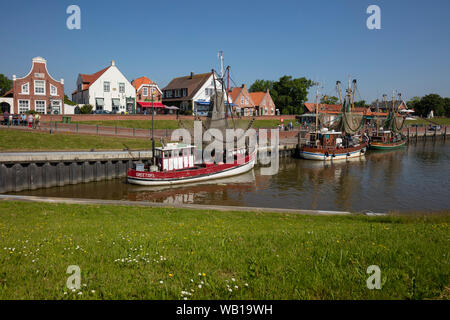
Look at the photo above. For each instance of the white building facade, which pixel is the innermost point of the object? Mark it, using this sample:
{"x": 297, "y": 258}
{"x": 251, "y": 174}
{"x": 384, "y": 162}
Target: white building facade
{"x": 106, "y": 90}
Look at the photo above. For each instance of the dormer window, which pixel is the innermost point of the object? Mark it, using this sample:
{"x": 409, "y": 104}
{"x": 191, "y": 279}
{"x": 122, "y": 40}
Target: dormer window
{"x": 39, "y": 87}
{"x": 53, "y": 90}
{"x": 145, "y": 91}
{"x": 26, "y": 88}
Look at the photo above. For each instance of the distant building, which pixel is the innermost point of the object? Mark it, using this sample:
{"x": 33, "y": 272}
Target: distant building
{"x": 264, "y": 105}
{"x": 244, "y": 104}
{"x": 146, "y": 90}
{"x": 384, "y": 106}
{"x": 107, "y": 90}
{"x": 37, "y": 91}
{"x": 191, "y": 93}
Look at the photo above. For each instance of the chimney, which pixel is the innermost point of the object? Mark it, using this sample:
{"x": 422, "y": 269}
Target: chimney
{"x": 62, "y": 81}
{"x": 192, "y": 75}
{"x": 113, "y": 63}
{"x": 244, "y": 86}
{"x": 14, "y": 77}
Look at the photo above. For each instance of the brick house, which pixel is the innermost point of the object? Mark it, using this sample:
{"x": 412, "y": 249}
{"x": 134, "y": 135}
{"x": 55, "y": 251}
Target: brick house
{"x": 146, "y": 90}
{"x": 264, "y": 104}
{"x": 37, "y": 91}
{"x": 242, "y": 100}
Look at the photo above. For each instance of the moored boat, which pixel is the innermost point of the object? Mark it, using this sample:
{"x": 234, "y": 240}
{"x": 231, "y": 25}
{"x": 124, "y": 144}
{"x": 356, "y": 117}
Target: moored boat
{"x": 342, "y": 144}
{"x": 392, "y": 138}
{"x": 176, "y": 165}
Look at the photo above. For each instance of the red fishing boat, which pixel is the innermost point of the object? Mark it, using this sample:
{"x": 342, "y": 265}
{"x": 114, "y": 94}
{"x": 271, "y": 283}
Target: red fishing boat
{"x": 175, "y": 164}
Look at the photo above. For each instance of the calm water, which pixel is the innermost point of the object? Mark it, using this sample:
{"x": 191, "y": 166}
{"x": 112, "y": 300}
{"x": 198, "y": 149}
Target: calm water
{"x": 413, "y": 178}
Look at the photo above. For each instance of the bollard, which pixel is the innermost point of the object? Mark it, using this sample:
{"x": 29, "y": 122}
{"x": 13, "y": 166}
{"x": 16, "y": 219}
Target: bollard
{"x": 77, "y": 127}
{"x": 97, "y": 129}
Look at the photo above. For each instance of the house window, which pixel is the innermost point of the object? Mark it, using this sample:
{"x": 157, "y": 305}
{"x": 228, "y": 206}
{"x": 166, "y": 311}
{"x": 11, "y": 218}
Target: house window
{"x": 79, "y": 88}
{"x": 242, "y": 100}
{"x": 121, "y": 87}
{"x": 39, "y": 87}
{"x": 184, "y": 92}
{"x": 246, "y": 100}
{"x": 106, "y": 86}
{"x": 53, "y": 90}
{"x": 207, "y": 92}
{"x": 24, "y": 106}
{"x": 25, "y": 88}
{"x": 145, "y": 91}
{"x": 56, "y": 107}
{"x": 177, "y": 93}
{"x": 39, "y": 106}
{"x": 169, "y": 94}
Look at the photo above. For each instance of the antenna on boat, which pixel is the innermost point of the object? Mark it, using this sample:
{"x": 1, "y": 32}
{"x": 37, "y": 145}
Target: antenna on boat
{"x": 317, "y": 107}
{"x": 338, "y": 85}
{"x": 353, "y": 94}
{"x": 220, "y": 57}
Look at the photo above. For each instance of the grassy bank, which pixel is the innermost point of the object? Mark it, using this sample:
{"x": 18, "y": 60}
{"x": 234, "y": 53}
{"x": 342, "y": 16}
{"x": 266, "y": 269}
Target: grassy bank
{"x": 154, "y": 253}
{"x": 17, "y": 140}
{"x": 174, "y": 124}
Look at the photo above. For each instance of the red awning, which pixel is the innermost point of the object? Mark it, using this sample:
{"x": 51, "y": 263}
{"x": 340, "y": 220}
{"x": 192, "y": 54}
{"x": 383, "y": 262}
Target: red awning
{"x": 146, "y": 104}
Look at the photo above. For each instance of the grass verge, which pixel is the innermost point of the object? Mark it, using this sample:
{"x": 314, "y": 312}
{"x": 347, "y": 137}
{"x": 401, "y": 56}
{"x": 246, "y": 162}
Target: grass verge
{"x": 17, "y": 140}
{"x": 162, "y": 253}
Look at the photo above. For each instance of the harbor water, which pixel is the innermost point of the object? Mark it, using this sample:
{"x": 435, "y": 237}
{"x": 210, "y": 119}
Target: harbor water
{"x": 414, "y": 178}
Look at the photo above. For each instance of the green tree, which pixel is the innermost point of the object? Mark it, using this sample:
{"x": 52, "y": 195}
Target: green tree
{"x": 431, "y": 102}
{"x": 329, "y": 100}
{"x": 287, "y": 93}
{"x": 86, "y": 109}
{"x": 5, "y": 84}
{"x": 68, "y": 101}
{"x": 361, "y": 104}
{"x": 447, "y": 106}
{"x": 261, "y": 85}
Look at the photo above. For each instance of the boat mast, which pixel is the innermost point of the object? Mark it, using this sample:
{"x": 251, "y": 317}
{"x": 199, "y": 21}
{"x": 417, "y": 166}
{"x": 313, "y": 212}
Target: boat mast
{"x": 317, "y": 109}
{"x": 338, "y": 84}
{"x": 353, "y": 94}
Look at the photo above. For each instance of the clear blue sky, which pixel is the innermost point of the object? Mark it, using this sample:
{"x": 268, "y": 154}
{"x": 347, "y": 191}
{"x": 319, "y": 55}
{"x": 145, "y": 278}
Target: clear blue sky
{"x": 321, "y": 40}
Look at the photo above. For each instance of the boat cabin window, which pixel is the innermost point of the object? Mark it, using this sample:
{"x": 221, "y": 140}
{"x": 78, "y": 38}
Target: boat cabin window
{"x": 175, "y": 158}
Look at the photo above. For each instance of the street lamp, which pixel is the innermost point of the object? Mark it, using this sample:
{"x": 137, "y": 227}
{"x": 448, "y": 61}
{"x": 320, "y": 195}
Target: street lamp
{"x": 153, "y": 139}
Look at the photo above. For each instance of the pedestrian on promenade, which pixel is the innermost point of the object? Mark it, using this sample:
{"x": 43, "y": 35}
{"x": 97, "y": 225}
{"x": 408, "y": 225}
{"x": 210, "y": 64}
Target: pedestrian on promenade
{"x": 37, "y": 121}
{"x": 16, "y": 121}
{"x": 30, "y": 120}
{"x": 10, "y": 119}
{"x": 5, "y": 118}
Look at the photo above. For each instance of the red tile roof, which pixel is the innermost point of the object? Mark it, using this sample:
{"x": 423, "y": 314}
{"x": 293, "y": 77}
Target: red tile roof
{"x": 234, "y": 93}
{"x": 89, "y": 79}
{"x": 257, "y": 97}
{"x": 140, "y": 81}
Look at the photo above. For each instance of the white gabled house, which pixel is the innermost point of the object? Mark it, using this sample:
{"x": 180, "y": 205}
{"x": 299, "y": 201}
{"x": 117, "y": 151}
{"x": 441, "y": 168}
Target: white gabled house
{"x": 107, "y": 89}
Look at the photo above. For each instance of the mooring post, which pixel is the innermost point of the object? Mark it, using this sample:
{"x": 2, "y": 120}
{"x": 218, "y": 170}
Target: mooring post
{"x": 77, "y": 127}
{"x": 445, "y": 133}
{"x": 97, "y": 128}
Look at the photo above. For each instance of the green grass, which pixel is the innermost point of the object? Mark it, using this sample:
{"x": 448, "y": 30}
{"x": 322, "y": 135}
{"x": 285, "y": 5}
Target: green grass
{"x": 17, "y": 140}
{"x": 156, "y": 253}
{"x": 420, "y": 121}
{"x": 174, "y": 124}
{"x": 140, "y": 124}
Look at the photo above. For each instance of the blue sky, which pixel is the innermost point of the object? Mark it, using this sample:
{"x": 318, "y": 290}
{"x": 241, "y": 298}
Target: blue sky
{"x": 321, "y": 40}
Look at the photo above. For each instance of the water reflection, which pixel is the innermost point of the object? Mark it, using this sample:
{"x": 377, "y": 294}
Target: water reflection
{"x": 412, "y": 178}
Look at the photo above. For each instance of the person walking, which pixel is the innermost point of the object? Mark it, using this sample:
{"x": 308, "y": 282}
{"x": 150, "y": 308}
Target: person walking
{"x": 16, "y": 121}
{"x": 5, "y": 118}
{"x": 22, "y": 119}
{"x": 37, "y": 121}
{"x": 30, "y": 120}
